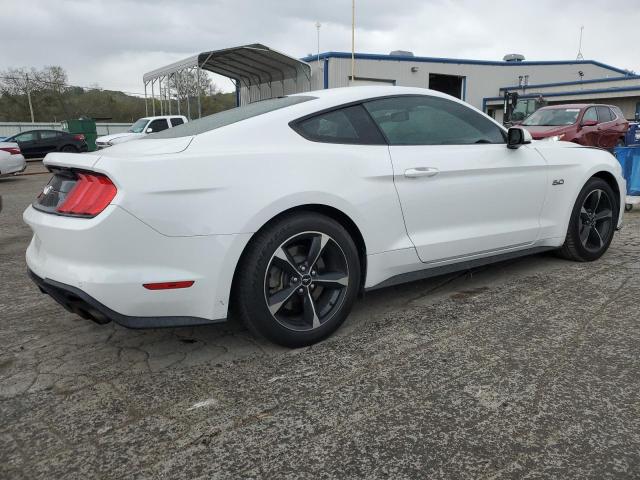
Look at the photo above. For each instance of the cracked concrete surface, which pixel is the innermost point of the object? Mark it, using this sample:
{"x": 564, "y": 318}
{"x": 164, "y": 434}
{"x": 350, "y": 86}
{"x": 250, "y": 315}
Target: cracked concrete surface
{"x": 525, "y": 369}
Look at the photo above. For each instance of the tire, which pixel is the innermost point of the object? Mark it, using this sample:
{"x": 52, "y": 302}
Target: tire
{"x": 282, "y": 294}
{"x": 593, "y": 222}
{"x": 69, "y": 149}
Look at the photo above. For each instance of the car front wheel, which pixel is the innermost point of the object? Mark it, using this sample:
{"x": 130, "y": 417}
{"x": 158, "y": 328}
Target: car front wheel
{"x": 298, "y": 279}
{"x": 593, "y": 222}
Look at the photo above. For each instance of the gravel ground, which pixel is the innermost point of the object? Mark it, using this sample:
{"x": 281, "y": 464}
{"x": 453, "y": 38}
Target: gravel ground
{"x": 525, "y": 369}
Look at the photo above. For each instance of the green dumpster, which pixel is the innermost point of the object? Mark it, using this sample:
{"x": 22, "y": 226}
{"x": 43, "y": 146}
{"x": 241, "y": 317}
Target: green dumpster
{"x": 86, "y": 126}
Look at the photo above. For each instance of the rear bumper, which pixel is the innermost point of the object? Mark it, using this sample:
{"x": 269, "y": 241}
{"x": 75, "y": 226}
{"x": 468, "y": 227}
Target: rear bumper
{"x": 76, "y": 301}
{"x": 15, "y": 164}
{"x": 99, "y": 266}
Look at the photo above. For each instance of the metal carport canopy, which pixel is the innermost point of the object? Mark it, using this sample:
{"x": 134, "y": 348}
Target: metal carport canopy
{"x": 252, "y": 65}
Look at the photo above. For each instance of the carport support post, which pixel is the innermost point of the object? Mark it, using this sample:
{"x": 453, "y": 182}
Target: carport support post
{"x": 177, "y": 79}
{"x": 188, "y": 97}
{"x": 153, "y": 98}
{"x": 198, "y": 87}
{"x": 146, "y": 106}
{"x": 169, "y": 92}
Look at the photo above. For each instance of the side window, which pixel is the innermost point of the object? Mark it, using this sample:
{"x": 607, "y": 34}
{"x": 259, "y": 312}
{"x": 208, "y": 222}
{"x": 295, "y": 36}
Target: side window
{"x": 617, "y": 113}
{"x": 176, "y": 121}
{"x": 604, "y": 114}
{"x": 48, "y": 134}
{"x": 158, "y": 125}
{"x": 426, "y": 120}
{"x": 590, "y": 114}
{"x": 346, "y": 125}
{"x": 27, "y": 137}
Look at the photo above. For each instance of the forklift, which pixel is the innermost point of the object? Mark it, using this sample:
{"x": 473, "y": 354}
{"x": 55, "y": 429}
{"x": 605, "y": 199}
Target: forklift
{"x": 516, "y": 109}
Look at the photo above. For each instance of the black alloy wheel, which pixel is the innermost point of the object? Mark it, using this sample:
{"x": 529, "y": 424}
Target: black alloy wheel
{"x": 596, "y": 220}
{"x": 306, "y": 281}
{"x": 593, "y": 222}
{"x": 297, "y": 280}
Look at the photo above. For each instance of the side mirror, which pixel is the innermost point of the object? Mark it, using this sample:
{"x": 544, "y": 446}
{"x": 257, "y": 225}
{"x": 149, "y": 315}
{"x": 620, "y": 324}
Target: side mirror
{"x": 517, "y": 136}
{"x": 149, "y": 130}
{"x": 589, "y": 123}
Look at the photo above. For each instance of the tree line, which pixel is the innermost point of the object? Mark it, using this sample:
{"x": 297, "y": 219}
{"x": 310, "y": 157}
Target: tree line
{"x": 47, "y": 94}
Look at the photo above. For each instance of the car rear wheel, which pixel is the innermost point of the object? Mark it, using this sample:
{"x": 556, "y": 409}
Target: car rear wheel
{"x": 593, "y": 222}
{"x": 298, "y": 280}
{"x": 69, "y": 149}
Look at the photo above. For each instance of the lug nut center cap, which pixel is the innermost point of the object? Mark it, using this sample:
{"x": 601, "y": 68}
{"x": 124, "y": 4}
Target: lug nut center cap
{"x": 306, "y": 280}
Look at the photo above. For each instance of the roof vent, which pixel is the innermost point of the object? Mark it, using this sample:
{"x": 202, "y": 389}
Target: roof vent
{"x": 401, "y": 53}
{"x": 513, "y": 57}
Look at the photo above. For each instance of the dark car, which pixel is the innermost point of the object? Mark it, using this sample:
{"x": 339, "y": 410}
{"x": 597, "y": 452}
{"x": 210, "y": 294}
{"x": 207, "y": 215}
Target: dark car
{"x": 601, "y": 126}
{"x": 37, "y": 143}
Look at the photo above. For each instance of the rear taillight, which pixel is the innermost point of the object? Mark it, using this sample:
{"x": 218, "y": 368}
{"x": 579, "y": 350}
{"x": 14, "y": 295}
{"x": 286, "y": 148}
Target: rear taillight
{"x": 89, "y": 196}
{"x": 11, "y": 150}
{"x": 79, "y": 137}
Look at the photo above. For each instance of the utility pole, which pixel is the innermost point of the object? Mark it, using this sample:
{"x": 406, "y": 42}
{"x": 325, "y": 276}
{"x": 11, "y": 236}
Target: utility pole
{"x": 353, "y": 40}
{"x": 318, "y": 25}
{"x": 29, "y": 97}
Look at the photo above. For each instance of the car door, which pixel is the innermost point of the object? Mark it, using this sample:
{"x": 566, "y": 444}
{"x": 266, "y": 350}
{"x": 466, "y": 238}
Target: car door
{"x": 158, "y": 125}
{"x": 607, "y": 128}
{"x": 589, "y": 134}
{"x": 463, "y": 192}
{"x": 48, "y": 141}
{"x": 28, "y": 142}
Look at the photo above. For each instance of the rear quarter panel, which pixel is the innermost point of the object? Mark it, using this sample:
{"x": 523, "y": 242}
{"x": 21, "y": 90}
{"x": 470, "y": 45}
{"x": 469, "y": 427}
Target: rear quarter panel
{"x": 236, "y": 178}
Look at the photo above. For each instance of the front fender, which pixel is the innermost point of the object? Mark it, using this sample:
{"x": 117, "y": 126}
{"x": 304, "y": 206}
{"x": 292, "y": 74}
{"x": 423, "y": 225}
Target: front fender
{"x": 573, "y": 166}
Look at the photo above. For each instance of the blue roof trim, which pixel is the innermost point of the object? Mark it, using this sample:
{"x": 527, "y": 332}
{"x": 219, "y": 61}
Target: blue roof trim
{"x": 562, "y": 94}
{"x": 461, "y": 61}
{"x": 576, "y": 82}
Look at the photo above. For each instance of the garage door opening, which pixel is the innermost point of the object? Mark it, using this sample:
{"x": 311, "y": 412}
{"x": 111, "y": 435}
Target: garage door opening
{"x": 449, "y": 84}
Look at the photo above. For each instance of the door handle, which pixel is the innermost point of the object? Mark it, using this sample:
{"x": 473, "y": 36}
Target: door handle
{"x": 421, "y": 172}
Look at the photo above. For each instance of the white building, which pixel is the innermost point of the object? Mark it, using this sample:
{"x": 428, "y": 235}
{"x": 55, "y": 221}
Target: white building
{"x": 483, "y": 83}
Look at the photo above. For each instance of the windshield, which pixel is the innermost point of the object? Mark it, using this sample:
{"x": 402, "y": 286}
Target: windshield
{"x": 138, "y": 127}
{"x": 553, "y": 117}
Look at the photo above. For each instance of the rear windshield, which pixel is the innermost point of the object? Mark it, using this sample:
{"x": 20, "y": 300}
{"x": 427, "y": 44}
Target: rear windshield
{"x": 227, "y": 117}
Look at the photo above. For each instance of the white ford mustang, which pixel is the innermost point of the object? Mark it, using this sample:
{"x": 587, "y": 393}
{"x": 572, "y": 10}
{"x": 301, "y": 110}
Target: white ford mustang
{"x": 282, "y": 211}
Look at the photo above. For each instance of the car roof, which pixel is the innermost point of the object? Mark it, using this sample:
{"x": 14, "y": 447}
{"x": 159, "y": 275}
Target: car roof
{"x": 344, "y": 94}
{"x": 333, "y": 97}
{"x": 39, "y": 130}
{"x": 158, "y": 117}
{"x": 577, "y": 105}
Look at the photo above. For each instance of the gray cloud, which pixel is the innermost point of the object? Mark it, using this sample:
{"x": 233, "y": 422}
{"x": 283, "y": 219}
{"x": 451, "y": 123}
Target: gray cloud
{"x": 113, "y": 42}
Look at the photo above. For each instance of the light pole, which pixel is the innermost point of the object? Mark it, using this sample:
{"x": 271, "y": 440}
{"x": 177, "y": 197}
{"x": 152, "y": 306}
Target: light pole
{"x": 353, "y": 40}
{"x": 318, "y": 25}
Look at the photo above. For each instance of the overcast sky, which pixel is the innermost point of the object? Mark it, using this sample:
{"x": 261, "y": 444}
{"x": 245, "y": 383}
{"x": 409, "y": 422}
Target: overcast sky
{"x": 112, "y": 43}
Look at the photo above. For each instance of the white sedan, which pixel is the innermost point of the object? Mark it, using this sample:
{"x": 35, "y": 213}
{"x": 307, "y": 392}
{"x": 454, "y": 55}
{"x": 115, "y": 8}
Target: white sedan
{"x": 282, "y": 211}
{"x": 11, "y": 159}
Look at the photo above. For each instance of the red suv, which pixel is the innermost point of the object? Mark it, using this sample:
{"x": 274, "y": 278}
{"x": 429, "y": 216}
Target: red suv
{"x": 592, "y": 125}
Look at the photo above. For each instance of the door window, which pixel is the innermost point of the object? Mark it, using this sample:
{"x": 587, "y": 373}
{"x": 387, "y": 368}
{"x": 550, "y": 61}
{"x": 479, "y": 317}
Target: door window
{"x": 48, "y": 134}
{"x": 26, "y": 137}
{"x": 590, "y": 114}
{"x": 346, "y": 125}
{"x": 158, "y": 125}
{"x": 604, "y": 114}
{"x": 426, "y": 120}
{"x": 176, "y": 121}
